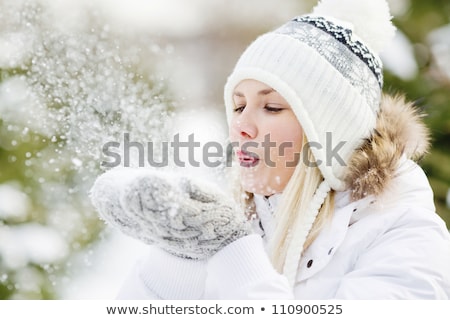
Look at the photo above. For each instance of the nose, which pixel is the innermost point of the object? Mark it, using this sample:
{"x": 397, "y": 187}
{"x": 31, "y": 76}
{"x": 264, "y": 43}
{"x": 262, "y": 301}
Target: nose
{"x": 244, "y": 126}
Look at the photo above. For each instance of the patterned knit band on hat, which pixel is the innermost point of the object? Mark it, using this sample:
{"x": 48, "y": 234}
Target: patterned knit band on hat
{"x": 326, "y": 65}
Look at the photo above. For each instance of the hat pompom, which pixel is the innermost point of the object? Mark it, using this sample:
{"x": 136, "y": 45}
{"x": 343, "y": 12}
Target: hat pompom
{"x": 371, "y": 19}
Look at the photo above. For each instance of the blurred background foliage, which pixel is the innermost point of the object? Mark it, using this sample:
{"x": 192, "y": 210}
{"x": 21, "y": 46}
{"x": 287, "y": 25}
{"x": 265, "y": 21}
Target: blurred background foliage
{"x": 64, "y": 92}
{"x": 426, "y": 25}
{"x": 74, "y": 75}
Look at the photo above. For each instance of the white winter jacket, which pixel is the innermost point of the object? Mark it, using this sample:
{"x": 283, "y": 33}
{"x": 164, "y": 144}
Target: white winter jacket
{"x": 393, "y": 247}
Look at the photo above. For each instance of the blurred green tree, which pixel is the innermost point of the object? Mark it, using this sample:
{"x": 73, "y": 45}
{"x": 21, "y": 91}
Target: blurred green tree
{"x": 63, "y": 94}
{"x": 430, "y": 89}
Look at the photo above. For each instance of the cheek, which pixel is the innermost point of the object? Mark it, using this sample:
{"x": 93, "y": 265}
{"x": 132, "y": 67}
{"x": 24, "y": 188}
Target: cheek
{"x": 233, "y": 132}
{"x": 289, "y": 142}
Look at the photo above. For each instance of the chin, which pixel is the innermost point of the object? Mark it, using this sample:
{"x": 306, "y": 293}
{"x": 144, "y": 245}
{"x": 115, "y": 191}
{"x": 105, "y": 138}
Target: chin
{"x": 261, "y": 182}
{"x": 261, "y": 189}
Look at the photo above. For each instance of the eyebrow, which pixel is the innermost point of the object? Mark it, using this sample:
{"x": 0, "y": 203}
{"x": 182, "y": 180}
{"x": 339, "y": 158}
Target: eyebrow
{"x": 260, "y": 93}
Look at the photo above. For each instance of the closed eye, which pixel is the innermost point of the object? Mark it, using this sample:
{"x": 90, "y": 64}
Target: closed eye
{"x": 239, "y": 109}
{"x": 273, "y": 109}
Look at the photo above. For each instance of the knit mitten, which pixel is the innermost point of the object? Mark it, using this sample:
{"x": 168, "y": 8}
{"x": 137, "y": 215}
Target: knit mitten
{"x": 187, "y": 218}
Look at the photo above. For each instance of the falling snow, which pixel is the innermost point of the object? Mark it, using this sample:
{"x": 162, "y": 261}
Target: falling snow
{"x": 64, "y": 93}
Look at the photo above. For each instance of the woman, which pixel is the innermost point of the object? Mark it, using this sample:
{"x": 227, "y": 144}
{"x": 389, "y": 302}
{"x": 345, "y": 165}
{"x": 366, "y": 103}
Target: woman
{"x": 334, "y": 206}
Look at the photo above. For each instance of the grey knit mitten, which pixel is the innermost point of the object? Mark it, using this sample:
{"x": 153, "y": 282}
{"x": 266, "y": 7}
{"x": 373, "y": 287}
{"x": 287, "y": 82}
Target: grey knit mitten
{"x": 187, "y": 218}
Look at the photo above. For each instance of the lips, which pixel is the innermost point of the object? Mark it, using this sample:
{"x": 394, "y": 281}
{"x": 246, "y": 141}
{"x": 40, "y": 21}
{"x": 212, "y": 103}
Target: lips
{"x": 247, "y": 159}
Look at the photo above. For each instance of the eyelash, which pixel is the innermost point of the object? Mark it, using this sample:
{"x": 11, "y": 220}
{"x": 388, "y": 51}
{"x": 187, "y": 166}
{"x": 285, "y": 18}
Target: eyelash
{"x": 239, "y": 109}
{"x": 272, "y": 109}
{"x": 268, "y": 108}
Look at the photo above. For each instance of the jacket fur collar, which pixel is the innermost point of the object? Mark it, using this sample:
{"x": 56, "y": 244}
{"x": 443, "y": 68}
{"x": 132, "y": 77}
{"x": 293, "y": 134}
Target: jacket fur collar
{"x": 399, "y": 132}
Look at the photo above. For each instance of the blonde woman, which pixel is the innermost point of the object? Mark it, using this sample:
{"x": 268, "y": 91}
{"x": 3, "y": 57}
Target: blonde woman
{"x": 328, "y": 204}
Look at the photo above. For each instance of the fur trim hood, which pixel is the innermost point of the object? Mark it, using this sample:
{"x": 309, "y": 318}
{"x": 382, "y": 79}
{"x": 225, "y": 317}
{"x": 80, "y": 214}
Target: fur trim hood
{"x": 399, "y": 131}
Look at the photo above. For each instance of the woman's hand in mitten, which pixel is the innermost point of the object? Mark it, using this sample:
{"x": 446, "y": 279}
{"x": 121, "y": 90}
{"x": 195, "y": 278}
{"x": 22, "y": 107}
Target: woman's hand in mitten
{"x": 187, "y": 218}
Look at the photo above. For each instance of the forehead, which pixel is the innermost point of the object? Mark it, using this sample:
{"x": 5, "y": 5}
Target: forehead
{"x": 252, "y": 86}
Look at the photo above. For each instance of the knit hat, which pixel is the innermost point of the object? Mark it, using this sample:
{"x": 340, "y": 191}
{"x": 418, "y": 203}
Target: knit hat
{"x": 326, "y": 66}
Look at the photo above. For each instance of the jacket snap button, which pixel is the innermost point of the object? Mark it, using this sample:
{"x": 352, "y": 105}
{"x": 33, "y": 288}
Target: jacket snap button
{"x": 330, "y": 251}
{"x": 354, "y": 210}
{"x": 260, "y": 225}
{"x": 309, "y": 264}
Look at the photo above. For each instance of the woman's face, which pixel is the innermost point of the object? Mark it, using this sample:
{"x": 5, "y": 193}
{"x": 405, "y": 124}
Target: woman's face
{"x": 267, "y": 137}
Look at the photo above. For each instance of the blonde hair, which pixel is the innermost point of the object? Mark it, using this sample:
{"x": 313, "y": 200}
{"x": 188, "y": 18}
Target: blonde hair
{"x": 294, "y": 207}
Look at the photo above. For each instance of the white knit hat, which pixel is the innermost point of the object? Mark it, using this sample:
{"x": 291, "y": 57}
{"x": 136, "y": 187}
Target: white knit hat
{"x": 326, "y": 66}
